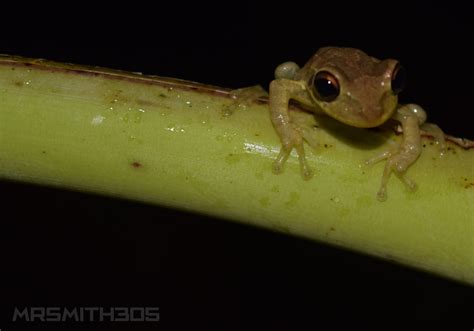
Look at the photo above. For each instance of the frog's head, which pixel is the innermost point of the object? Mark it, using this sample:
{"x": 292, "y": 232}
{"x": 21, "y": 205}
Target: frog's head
{"x": 353, "y": 87}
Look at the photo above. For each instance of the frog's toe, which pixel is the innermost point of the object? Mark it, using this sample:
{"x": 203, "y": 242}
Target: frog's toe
{"x": 307, "y": 174}
{"x": 412, "y": 186}
{"x": 278, "y": 164}
{"x": 409, "y": 184}
{"x": 230, "y": 109}
{"x": 305, "y": 169}
{"x": 382, "y": 194}
{"x": 293, "y": 141}
{"x": 377, "y": 158}
{"x": 438, "y": 136}
{"x": 277, "y": 167}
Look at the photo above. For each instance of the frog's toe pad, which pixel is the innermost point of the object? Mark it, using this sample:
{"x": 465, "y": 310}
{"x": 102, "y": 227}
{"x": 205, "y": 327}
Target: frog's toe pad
{"x": 382, "y": 194}
{"x": 307, "y": 173}
{"x": 277, "y": 167}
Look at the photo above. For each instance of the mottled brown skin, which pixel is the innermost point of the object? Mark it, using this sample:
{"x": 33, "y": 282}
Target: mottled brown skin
{"x": 365, "y": 100}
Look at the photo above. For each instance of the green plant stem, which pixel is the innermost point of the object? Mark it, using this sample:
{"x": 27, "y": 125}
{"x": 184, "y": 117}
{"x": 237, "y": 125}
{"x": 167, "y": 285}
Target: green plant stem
{"x": 176, "y": 144}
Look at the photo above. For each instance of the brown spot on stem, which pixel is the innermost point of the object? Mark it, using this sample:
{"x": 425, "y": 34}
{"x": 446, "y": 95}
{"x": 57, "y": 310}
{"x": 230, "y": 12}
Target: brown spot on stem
{"x": 137, "y": 164}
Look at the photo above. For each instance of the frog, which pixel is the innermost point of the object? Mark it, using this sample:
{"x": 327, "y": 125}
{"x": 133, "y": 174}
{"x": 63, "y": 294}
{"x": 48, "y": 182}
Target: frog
{"x": 353, "y": 88}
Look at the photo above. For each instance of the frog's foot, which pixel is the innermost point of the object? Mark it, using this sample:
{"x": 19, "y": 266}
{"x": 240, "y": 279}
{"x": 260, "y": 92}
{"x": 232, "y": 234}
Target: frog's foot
{"x": 397, "y": 163}
{"x": 290, "y": 141}
{"x": 437, "y": 134}
{"x": 243, "y": 97}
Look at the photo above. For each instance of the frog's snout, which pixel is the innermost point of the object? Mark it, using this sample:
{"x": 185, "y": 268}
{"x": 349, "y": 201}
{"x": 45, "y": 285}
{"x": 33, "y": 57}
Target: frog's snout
{"x": 363, "y": 108}
{"x": 375, "y": 112}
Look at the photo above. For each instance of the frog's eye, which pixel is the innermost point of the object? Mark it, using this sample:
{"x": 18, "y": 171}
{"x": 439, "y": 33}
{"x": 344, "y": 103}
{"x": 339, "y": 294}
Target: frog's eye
{"x": 399, "y": 76}
{"x": 326, "y": 86}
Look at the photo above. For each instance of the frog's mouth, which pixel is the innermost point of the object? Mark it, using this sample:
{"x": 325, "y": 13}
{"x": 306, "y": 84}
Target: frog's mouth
{"x": 366, "y": 116}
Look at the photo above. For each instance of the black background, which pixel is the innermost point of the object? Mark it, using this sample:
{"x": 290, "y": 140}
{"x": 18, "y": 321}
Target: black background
{"x": 62, "y": 248}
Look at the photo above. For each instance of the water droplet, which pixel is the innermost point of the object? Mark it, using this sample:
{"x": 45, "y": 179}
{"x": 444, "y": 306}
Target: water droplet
{"x": 97, "y": 120}
{"x": 125, "y": 118}
{"x": 173, "y": 128}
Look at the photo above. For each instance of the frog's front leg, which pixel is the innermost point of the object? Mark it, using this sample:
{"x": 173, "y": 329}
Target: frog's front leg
{"x": 281, "y": 91}
{"x": 411, "y": 117}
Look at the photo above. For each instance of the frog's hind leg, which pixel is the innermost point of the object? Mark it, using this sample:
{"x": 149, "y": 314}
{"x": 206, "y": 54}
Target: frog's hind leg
{"x": 244, "y": 97}
{"x": 248, "y": 94}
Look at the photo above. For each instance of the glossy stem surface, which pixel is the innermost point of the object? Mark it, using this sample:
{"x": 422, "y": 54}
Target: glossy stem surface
{"x": 176, "y": 143}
